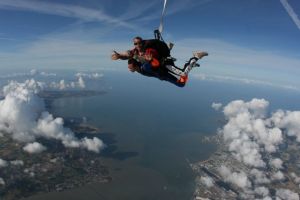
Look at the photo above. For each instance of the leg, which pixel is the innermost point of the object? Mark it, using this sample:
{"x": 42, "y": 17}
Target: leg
{"x": 181, "y": 75}
{"x": 193, "y": 62}
{"x": 172, "y": 78}
{"x": 161, "y": 74}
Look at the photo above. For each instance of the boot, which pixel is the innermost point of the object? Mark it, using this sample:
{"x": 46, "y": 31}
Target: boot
{"x": 200, "y": 54}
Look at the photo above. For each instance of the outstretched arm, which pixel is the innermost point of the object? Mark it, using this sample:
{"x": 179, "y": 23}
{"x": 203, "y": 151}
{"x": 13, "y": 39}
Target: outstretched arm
{"x": 123, "y": 56}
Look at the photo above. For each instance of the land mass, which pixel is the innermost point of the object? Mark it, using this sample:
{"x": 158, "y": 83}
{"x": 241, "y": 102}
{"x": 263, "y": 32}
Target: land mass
{"x": 220, "y": 189}
{"x": 56, "y": 169}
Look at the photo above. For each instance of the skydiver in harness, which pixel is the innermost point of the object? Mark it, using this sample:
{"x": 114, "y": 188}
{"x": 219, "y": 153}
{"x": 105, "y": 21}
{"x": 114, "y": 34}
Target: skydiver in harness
{"x": 152, "y": 58}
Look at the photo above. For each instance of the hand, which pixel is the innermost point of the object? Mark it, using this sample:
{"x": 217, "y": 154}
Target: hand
{"x": 115, "y": 55}
{"x": 148, "y": 57}
{"x": 133, "y": 67}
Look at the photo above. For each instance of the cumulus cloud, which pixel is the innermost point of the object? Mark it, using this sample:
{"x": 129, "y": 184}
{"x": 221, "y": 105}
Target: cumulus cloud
{"x": 207, "y": 181}
{"x": 33, "y": 72}
{"x": 295, "y": 178}
{"x": 262, "y": 191}
{"x": 94, "y": 144}
{"x": 63, "y": 85}
{"x": 277, "y": 163}
{"x": 23, "y": 117}
{"x": 2, "y": 182}
{"x": 239, "y": 179}
{"x": 32, "y": 86}
{"x": 17, "y": 162}
{"x": 3, "y": 163}
{"x": 249, "y": 133}
{"x": 259, "y": 176}
{"x": 254, "y": 136}
{"x": 81, "y": 82}
{"x": 255, "y": 107}
{"x": 282, "y": 194}
{"x": 288, "y": 120}
{"x": 19, "y": 109}
{"x": 50, "y": 127}
{"x": 34, "y": 147}
{"x": 216, "y": 106}
{"x": 278, "y": 176}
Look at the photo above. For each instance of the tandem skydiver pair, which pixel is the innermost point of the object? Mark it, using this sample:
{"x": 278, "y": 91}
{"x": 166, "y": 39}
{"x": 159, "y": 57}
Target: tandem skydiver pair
{"x": 152, "y": 58}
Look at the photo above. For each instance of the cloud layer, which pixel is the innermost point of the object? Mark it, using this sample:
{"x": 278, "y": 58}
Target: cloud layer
{"x": 65, "y": 10}
{"x": 254, "y": 137}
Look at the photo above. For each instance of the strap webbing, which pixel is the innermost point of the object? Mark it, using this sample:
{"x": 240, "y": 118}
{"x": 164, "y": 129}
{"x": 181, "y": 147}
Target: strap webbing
{"x": 162, "y": 16}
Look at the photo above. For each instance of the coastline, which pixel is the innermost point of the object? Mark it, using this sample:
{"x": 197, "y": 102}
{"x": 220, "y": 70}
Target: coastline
{"x": 56, "y": 169}
{"x": 211, "y": 184}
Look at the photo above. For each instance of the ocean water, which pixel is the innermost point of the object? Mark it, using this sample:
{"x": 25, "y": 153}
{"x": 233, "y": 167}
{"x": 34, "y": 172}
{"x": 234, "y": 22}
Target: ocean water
{"x": 153, "y": 129}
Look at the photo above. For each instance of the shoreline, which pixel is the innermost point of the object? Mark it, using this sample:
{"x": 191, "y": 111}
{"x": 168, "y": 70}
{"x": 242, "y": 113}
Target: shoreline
{"x": 210, "y": 183}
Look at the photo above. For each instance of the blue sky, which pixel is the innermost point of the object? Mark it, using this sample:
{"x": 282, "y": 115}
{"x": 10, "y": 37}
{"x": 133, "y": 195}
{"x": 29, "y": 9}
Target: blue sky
{"x": 247, "y": 39}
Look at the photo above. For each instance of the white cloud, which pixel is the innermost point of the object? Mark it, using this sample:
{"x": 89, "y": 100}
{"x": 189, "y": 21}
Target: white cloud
{"x": 173, "y": 7}
{"x": 20, "y": 109}
{"x": 279, "y": 176}
{"x": 262, "y": 191}
{"x": 239, "y": 179}
{"x": 2, "y": 182}
{"x": 81, "y": 51}
{"x": 94, "y": 144}
{"x": 3, "y": 163}
{"x": 50, "y": 127}
{"x": 267, "y": 198}
{"x": 63, "y": 85}
{"x": 233, "y": 57}
{"x": 23, "y": 117}
{"x": 253, "y": 136}
{"x": 277, "y": 163}
{"x": 291, "y": 12}
{"x": 283, "y": 194}
{"x": 248, "y": 81}
{"x": 33, "y": 72}
{"x": 81, "y": 82}
{"x": 65, "y": 10}
{"x": 247, "y": 131}
{"x": 16, "y": 88}
{"x": 34, "y": 147}
{"x": 295, "y": 178}
{"x": 216, "y": 106}
{"x": 95, "y": 75}
{"x": 47, "y": 74}
{"x": 230, "y": 62}
{"x": 238, "y": 131}
{"x": 289, "y": 120}
{"x": 17, "y": 162}
{"x": 259, "y": 177}
{"x": 255, "y": 107}
{"x": 207, "y": 181}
